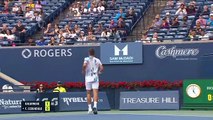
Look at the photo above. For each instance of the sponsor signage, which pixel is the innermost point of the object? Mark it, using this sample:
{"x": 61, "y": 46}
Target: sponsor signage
{"x": 178, "y": 53}
{"x": 78, "y": 101}
{"x": 198, "y": 93}
{"x": 121, "y": 53}
{"x": 39, "y": 106}
{"x": 52, "y": 97}
{"x": 149, "y": 100}
{"x": 11, "y": 102}
{"x": 46, "y": 52}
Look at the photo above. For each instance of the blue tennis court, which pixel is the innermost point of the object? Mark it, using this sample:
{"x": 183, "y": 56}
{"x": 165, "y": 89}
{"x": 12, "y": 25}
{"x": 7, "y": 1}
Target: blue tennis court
{"x": 114, "y": 115}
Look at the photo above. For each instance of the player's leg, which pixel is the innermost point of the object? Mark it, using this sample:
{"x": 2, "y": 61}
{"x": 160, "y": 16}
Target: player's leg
{"x": 89, "y": 101}
{"x": 95, "y": 87}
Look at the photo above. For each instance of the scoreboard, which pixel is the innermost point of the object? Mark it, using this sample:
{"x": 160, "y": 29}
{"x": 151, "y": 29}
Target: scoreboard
{"x": 198, "y": 93}
{"x": 39, "y": 106}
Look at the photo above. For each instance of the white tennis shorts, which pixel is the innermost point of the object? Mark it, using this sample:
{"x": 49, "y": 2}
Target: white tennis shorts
{"x": 92, "y": 85}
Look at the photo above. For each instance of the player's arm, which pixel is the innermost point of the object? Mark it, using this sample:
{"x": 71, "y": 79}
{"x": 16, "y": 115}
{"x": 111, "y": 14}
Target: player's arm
{"x": 101, "y": 68}
{"x": 84, "y": 66}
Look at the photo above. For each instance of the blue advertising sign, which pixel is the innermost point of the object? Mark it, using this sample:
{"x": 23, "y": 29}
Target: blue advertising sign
{"x": 121, "y": 53}
{"x": 78, "y": 101}
{"x": 149, "y": 100}
{"x": 11, "y": 102}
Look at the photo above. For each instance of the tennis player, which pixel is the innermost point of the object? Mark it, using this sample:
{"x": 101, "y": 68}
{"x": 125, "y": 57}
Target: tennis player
{"x": 92, "y": 67}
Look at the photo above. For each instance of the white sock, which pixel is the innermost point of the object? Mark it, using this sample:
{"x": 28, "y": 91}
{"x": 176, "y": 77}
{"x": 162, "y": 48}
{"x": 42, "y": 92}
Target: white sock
{"x": 95, "y": 104}
{"x": 89, "y": 107}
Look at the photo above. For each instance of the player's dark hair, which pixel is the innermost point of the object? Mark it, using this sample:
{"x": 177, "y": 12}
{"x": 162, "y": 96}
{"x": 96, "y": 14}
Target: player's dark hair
{"x": 91, "y": 52}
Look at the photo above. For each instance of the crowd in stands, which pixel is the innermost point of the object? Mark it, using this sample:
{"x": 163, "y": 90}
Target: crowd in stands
{"x": 185, "y": 20}
{"x": 30, "y": 10}
{"x": 76, "y": 27}
{"x": 105, "y": 20}
{"x": 87, "y": 20}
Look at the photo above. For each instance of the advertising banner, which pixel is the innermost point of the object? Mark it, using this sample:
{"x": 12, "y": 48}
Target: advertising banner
{"x": 52, "y": 97}
{"x": 198, "y": 93}
{"x": 11, "y": 102}
{"x": 77, "y": 101}
{"x": 121, "y": 53}
{"x": 149, "y": 100}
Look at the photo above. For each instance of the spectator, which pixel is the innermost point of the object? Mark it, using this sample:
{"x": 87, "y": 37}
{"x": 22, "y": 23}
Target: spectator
{"x": 112, "y": 4}
{"x": 52, "y": 42}
{"x": 90, "y": 37}
{"x": 202, "y": 21}
{"x": 6, "y": 7}
{"x": 61, "y": 33}
{"x": 100, "y": 8}
{"x": 170, "y": 3}
{"x": 40, "y": 89}
{"x": 184, "y": 21}
{"x": 77, "y": 14}
{"x": 121, "y": 23}
{"x": 93, "y": 9}
{"x": 191, "y": 9}
{"x": 67, "y": 31}
{"x": 206, "y": 10}
{"x": 24, "y": 6}
{"x": 29, "y": 14}
{"x": 175, "y": 22}
{"x": 157, "y": 22}
{"x": 38, "y": 18}
{"x": 192, "y": 35}
{"x": 62, "y": 41}
{"x": 155, "y": 37}
{"x": 41, "y": 42}
{"x": 210, "y": 20}
{"x": 77, "y": 29}
{"x": 90, "y": 28}
{"x": 165, "y": 24}
{"x": 72, "y": 34}
{"x": 38, "y": 6}
{"x": 81, "y": 37}
{"x": 20, "y": 12}
{"x": 31, "y": 5}
{"x": 105, "y": 33}
{"x": 49, "y": 30}
{"x": 145, "y": 38}
{"x": 131, "y": 13}
{"x": 15, "y": 8}
{"x": 99, "y": 29}
{"x": 31, "y": 42}
{"x": 59, "y": 88}
{"x": 168, "y": 18}
{"x": 19, "y": 30}
{"x": 112, "y": 24}
{"x": 56, "y": 29}
{"x": 6, "y": 33}
{"x": 104, "y": 3}
{"x": 114, "y": 33}
{"x": 181, "y": 12}
{"x": 120, "y": 14}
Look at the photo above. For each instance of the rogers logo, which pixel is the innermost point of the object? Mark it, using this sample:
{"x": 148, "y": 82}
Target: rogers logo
{"x": 41, "y": 53}
{"x": 26, "y": 53}
{"x": 163, "y": 52}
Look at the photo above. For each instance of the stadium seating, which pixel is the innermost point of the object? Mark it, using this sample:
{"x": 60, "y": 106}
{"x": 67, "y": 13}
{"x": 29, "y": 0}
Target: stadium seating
{"x": 180, "y": 32}
{"x": 140, "y": 7}
{"x": 51, "y": 9}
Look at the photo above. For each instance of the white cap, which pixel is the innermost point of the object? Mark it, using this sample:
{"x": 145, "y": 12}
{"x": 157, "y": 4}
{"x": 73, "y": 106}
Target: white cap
{"x": 211, "y": 14}
{"x": 167, "y": 13}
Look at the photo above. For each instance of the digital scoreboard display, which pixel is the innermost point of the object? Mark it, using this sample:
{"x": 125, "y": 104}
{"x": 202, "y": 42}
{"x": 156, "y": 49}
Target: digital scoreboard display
{"x": 198, "y": 93}
{"x": 39, "y": 106}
